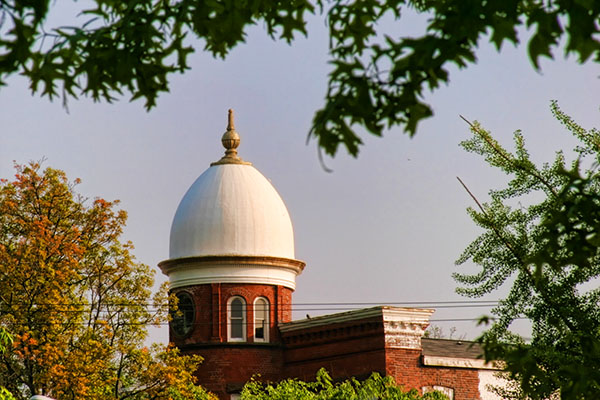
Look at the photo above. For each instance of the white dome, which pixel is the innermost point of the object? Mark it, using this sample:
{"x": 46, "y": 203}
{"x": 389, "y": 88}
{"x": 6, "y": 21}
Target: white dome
{"x": 231, "y": 209}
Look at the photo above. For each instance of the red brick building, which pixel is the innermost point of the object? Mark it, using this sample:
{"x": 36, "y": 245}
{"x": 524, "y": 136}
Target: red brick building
{"x": 233, "y": 269}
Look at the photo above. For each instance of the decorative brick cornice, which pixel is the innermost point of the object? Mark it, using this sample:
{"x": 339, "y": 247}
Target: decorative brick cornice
{"x": 331, "y": 333}
{"x": 404, "y": 334}
{"x": 400, "y": 327}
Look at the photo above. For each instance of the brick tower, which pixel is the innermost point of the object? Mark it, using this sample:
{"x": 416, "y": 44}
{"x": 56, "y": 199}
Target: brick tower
{"x": 232, "y": 267}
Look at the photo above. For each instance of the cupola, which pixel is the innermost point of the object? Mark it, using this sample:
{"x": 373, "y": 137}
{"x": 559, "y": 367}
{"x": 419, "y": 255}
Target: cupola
{"x": 231, "y": 226}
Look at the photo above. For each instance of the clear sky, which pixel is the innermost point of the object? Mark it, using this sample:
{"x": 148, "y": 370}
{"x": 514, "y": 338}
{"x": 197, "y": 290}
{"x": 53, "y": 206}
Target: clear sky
{"x": 383, "y": 228}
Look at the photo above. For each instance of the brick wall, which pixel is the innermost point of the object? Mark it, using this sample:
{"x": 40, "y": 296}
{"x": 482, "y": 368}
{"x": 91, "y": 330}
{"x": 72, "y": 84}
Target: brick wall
{"x": 210, "y": 319}
{"x": 359, "y": 347}
{"x": 344, "y": 350}
{"x": 226, "y": 368}
{"x": 406, "y": 368}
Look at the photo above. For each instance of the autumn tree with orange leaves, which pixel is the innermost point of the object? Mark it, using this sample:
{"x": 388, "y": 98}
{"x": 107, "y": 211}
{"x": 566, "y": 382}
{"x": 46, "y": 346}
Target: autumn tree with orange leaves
{"x": 76, "y": 301}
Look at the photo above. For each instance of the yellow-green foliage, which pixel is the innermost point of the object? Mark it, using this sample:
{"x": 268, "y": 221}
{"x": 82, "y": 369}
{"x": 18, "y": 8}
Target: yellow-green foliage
{"x": 323, "y": 388}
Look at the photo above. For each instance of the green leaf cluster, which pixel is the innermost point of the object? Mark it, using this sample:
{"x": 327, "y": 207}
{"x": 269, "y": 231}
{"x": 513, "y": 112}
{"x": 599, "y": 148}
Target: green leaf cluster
{"x": 323, "y": 388}
{"x": 378, "y": 80}
{"x": 541, "y": 237}
{"x": 132, "y": 45}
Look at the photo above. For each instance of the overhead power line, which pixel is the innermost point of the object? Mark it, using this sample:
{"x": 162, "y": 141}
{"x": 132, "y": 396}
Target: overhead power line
{"x": 438, "y": 304}
{"x": 210, "y": 323}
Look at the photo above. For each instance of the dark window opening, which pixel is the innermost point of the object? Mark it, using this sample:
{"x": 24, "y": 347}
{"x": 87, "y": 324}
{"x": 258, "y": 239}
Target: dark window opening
{"x": 182, "y": 318}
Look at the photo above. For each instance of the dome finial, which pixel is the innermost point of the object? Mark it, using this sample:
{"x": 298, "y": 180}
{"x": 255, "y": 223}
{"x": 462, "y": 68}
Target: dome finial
{"x": 231, "y": 141}
{"x": 230, "y": 124}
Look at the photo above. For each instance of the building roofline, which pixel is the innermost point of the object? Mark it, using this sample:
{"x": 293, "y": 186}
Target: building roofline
{"x": 387, "y": 313}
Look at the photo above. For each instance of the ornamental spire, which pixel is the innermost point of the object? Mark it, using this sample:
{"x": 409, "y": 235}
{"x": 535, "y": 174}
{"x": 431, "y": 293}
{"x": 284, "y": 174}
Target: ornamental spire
{"x": 230, "y": 124}
{"x": 231, "y": 141}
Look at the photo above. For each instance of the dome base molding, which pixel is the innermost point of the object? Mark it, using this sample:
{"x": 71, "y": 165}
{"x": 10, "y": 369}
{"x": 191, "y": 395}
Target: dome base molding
{"x": 190, "y": 271}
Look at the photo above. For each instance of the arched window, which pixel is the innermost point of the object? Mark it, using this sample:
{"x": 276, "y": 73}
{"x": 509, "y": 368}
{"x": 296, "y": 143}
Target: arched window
{"x": 182, "y": 319}
{"x": 261, "y": 320}
{"x": 236, "y": 319}
{"x": 449, "y": 392}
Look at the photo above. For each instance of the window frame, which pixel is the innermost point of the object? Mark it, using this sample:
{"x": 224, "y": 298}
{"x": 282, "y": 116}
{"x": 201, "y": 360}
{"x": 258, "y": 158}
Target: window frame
{"x": 230, "y": 338}
{"x": 266, "y": 320}
{"x": 447, "y": 390}
{"x": 187, "y": 329}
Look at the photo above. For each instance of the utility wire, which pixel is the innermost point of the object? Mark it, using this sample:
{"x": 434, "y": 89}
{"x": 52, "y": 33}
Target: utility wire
{"x": 458, "y": 303}
{"x": 196, "y": 324}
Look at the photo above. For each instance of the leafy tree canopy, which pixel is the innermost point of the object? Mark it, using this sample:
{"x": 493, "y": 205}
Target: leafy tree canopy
{"x": 377, "y": 79}
{"x": 542, "y": 237}
{"x": 375, "y": 387}
{"x": 76, "y": 301}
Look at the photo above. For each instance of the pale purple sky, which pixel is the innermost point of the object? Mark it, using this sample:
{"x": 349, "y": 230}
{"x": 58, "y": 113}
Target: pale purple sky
{"x": 385, "y": 227}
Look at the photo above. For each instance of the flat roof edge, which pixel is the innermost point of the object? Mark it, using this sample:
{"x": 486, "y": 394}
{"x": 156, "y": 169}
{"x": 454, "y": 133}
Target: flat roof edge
{"x": 387, "y": 314}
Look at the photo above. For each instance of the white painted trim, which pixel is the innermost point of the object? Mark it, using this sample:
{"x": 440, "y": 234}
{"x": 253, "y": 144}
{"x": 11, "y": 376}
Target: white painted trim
{"x": 244, "y": 319}
{"x": 458, "y": 362}
{"x": 448, "y": 391}
{"x": 203, "y": 274}
{"x": 266, "y": 322}
{"x": 410, "y": 315}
